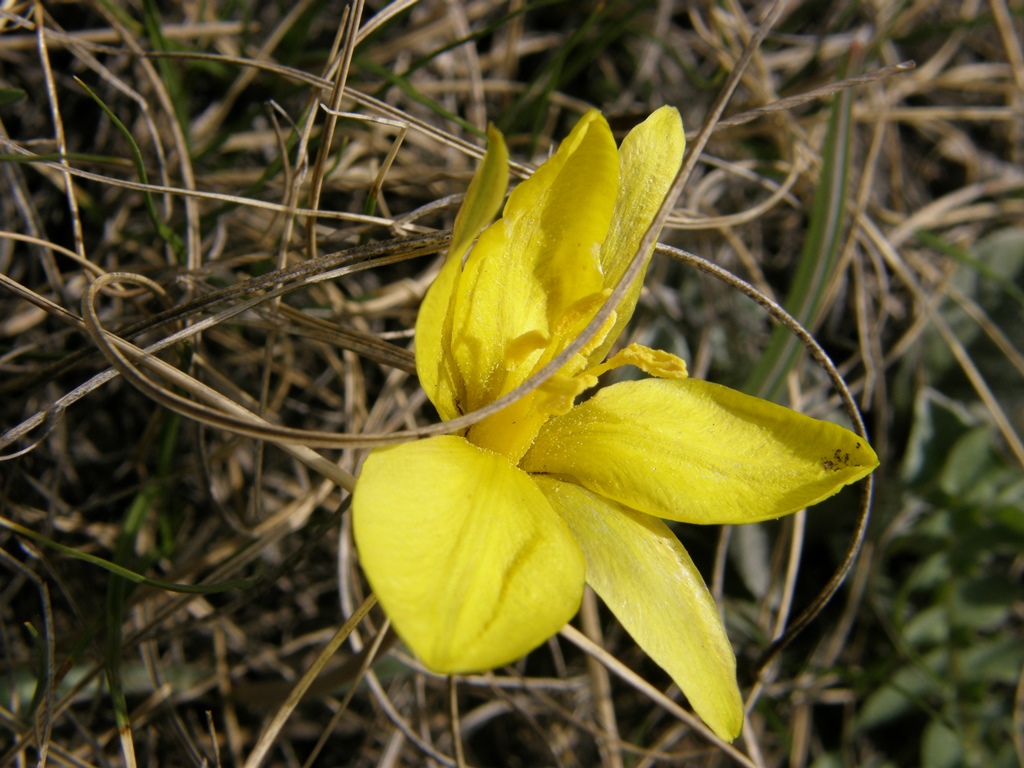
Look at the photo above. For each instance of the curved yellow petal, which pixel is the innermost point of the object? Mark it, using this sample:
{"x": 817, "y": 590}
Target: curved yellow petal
{"x": 533, "y": 264}
{"x": 649, "y": 159}
{"x": 464, "y": 552}
{"x": 697, "y": 452}
{"x": 483, "y": 198}
{"x": 653, "y": 362}
{"x": 434, "y": 364}
{"x": 641, "y": 571}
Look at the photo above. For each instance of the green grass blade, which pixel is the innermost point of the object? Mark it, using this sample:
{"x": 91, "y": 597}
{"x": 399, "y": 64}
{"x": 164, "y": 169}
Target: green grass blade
{"x": 119, "y": 570}
{"x": 12, "y": 95}
{"x": 167, "y": 234}
{"x": 153, "y": 496}
{"x": 410, "y": 90}
{"x": 590, "y": 41}
{"x": 176, "y": 89}
{"x": 71, "y": 157}
{"x": 818, "y": 259}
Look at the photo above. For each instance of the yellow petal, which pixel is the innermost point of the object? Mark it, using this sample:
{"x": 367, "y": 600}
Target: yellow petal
{"x": 698, "y": 452}
{"x": 434, "y": 364}
{"x": 649, "y": 159}
{"x": 464, "y": 552}
{"x": 654, "y": 362}
{"x": 484, "y": 196}
{"x": 534, "y": 263}
{"x": 641, "y": 571}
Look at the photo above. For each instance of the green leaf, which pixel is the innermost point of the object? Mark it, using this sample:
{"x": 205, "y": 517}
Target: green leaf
{"x": 988, "y": 275}
{"x": 938, "y": 422}
{"x": 906, "y": 689}
{"x": 12, "y": 95}
{"x": 990, "y": 662}
{"x": 928, "y": 627}
{"x": 929, "y": 572}
{"x": 970, "y": 457}
{"x": 941, "y": 747}
{"x": 997, "y": 260}
{"x": 827, "y": 760}
{"x": 983, "y": 604}
{"x": 1011, "y": 516}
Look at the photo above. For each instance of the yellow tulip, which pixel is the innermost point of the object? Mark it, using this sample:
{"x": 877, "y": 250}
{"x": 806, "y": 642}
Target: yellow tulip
{"x": 478, "y": 544}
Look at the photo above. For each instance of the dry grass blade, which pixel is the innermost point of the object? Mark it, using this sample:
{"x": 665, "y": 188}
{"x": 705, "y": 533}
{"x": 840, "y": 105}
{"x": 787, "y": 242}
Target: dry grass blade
{"x": 266, "y": 741}
{"x": 576, "y": 637}
{"x": 792, "y": 102}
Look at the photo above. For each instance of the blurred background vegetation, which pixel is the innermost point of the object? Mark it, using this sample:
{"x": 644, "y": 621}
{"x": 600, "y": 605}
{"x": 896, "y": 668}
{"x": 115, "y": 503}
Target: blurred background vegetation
{"x": 173, "y": 560}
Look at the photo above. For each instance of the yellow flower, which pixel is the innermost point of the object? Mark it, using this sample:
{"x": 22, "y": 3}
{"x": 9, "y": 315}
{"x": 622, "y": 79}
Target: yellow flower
{"x": 478, "y": 544}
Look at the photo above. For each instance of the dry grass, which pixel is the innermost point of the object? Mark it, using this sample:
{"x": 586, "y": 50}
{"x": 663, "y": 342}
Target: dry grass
{"x": 193, "y": 362}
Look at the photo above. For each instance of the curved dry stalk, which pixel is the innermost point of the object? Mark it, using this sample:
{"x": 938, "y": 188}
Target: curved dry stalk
{"x": 683, "y": 220}
{"x": 304, "y": 273}
{"x": 121, "y": 355}
{"x": 849, "y": 406}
